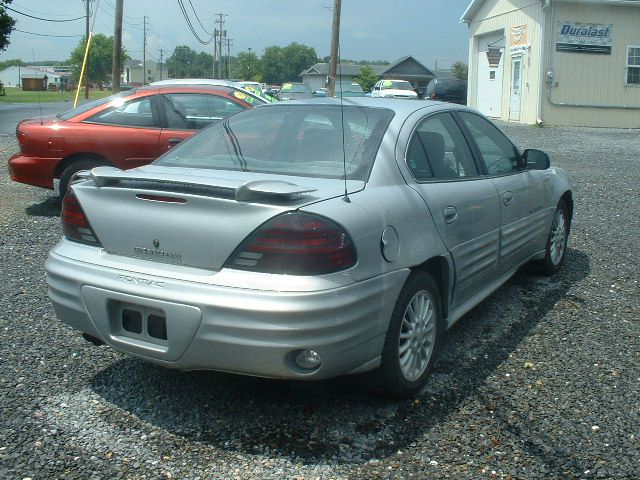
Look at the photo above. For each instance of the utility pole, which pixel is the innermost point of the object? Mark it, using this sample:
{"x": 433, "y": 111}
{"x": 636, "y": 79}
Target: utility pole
{"x": 86, "y": 74}
{"x": 160, "y": 64}
{"x": 144, "y": 50}
{"x": 335, "y": 42}
{"x": 218, "y": 35}
{"x": 229, "y": 45}
{"x": 117, "y": 48}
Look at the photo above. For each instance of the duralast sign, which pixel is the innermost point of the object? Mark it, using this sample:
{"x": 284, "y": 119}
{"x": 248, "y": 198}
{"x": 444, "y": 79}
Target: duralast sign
{"x": 584, "y": 38}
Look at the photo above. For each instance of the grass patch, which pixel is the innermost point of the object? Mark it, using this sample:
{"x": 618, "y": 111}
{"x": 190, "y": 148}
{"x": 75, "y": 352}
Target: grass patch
{"x": 17, "y": 95}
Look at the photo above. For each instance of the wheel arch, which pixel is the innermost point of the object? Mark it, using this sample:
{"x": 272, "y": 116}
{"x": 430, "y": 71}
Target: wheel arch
{"x": 440, "y": 269}
{"x": 74, "y": 157}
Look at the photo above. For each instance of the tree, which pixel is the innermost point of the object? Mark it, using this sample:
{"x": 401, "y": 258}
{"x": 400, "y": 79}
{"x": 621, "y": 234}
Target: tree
{"x": 14, "y": 62}
{"x": 285, "y": 64}
{"x": 182, "y": 62}
{"x": 460, "y": 71}
{"x": 99, "y": 61}
{"x": 6, "y": 25}
{"x": 367, "y": 78}
{"x": 247, "y": 66}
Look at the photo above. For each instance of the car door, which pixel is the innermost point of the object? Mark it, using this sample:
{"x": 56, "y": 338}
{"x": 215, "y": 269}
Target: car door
{"x": 523, "y": 225}
{"x": 463, "y": 204}
{"x": 126, "y": 132}
{"x": 184, "y": 114}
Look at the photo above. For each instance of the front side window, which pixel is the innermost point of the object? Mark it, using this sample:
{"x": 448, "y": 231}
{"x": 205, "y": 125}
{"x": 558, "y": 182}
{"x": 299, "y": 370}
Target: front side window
{"x": 193, "y": 111}
{"x": 135, "y": 113}
{"x": 438, "y": 151}
{"x": 633, "y": 65}
{"x": 299, "y": 140}
{"x": 499, "y": 155}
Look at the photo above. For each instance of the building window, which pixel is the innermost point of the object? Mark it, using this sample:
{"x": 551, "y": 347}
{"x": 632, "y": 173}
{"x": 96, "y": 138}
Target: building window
{"x": 633, "y": 65}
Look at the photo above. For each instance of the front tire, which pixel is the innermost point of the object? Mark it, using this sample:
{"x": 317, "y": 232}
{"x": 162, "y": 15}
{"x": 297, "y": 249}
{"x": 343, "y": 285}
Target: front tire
{"x": 412, "y": 339}
{"x": 556, "y": 247}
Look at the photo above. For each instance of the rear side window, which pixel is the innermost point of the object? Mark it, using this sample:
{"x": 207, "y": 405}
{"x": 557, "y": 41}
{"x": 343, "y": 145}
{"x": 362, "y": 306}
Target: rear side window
{"x": 499, "y": 155}
{"x": 192, "y": 111}
{"x": 438, "y": 151}
{"x": 298, "y": 140}
{"x": 139, "y": 112}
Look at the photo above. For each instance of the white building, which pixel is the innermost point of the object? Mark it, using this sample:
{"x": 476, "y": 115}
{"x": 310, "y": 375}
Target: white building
{"x": 557, "y": 62}
{"x": 58, "y": 76}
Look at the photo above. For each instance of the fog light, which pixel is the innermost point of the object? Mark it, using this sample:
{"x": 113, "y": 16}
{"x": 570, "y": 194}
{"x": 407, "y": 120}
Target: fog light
{"x": 308, "y": 359}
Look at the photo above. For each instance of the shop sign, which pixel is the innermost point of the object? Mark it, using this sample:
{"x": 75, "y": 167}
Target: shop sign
{"x": 584, "y": 38}
{"x": 493, "y": 56}
{"x": 518, "y": 40}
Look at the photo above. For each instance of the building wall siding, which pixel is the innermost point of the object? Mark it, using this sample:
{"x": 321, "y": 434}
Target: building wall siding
{"x": 591, "y": 79}
{"x": 501, "y": 15}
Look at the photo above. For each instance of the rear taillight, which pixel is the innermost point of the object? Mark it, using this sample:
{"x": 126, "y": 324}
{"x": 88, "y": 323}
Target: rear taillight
{"x": 433, "y": 96}
{"x": 75, "y": 225}
{"x": 296, "y": 243}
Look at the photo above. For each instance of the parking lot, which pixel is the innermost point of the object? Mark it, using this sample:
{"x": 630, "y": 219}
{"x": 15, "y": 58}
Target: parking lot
{"x": 542, "y": 380}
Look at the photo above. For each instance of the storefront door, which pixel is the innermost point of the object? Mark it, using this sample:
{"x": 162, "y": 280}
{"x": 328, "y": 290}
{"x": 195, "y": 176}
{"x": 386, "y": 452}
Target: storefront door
{"x": 516, "y": 87}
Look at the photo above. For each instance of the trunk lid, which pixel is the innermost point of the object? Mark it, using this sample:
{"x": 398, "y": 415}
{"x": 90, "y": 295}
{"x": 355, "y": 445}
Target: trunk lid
{"x": 191, "y": 217}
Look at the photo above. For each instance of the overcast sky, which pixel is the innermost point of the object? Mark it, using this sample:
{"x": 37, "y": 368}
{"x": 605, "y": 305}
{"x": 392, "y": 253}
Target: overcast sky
{"x": 370, "y": 29}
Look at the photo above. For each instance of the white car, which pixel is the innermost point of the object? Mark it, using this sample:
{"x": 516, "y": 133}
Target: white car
{"x": 394, "y": 89}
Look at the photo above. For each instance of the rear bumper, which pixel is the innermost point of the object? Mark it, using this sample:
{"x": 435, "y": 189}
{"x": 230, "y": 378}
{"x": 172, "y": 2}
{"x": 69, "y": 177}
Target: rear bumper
{"x": 37, "y": 171}
{"x": 213, "y": 327}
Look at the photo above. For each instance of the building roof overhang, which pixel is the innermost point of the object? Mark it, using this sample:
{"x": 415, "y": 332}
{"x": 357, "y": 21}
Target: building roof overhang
{"x": 475, "y": 5}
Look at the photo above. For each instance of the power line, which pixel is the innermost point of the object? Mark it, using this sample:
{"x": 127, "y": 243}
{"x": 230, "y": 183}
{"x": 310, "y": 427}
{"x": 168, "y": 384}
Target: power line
{"x": 196, "y": 15}
{"x": 186, "y": 17}
{"x": 43, "y": 35}
{"x": 43, "y": 13}
{"x": 43, "y": 19}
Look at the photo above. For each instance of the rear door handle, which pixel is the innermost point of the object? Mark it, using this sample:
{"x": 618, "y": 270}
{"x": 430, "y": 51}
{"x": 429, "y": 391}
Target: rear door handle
{"x": 450, "y": 214}
{"x": 507, "y": 198}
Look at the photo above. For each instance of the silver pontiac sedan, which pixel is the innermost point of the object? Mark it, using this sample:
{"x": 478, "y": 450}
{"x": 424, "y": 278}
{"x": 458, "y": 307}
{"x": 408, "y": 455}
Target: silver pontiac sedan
{"x": 308, "y": 240}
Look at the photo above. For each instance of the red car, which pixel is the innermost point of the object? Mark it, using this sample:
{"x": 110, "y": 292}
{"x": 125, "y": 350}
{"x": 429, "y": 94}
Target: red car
{"x": 125, "y": 130}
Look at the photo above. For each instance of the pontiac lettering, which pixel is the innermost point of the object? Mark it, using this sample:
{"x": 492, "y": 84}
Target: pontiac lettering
{"x": 152, "y": 252}
{"x": 141, "y": 281}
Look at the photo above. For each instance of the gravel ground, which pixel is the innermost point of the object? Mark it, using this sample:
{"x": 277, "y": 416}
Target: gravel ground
{"x": 540, "y": 381}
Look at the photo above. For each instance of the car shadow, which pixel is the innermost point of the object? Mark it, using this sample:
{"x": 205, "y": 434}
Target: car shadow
{"x": 336, "y": 419}
{"x": 49, "y": 207}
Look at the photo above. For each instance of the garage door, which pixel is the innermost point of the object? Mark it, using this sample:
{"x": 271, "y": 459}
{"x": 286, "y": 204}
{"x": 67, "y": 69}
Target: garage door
{"x": 490, "y": 68}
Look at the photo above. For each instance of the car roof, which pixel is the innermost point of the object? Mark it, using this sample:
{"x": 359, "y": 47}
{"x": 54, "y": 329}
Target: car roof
{"x": 402, "y": 108}
{"x": 196, "y": 81}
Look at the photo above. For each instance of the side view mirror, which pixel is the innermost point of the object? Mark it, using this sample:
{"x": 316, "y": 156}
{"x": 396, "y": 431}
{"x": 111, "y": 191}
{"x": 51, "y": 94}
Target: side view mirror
{"x": 536, "y": 159}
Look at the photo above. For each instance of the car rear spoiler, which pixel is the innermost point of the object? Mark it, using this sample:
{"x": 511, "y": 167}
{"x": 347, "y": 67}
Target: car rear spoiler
{"x": 241, "y": 192}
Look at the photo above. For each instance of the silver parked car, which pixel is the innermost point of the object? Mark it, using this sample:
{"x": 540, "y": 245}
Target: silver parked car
{"x": 307, "y": 240}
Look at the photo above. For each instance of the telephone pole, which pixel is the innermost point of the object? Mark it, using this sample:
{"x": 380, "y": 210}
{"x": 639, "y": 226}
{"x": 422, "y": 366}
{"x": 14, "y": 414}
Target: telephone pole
{"x": 218, "y": 35}
{"x": 117, "y": 48}
{"x": 335, "y": 43}
{"x": 144, "y": 50}
{"x": 229, "y": 45}
{"x": 86, "y": 73}
{"x": 160, "y": 64}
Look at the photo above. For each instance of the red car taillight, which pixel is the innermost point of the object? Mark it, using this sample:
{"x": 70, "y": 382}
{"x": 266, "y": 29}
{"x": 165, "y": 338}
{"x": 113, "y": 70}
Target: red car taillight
{"x": 296, "y": 243}
{"x": 75, "y": 225}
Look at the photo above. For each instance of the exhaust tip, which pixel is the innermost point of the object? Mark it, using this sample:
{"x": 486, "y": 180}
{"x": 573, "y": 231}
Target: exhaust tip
{"x": 91, "y": 339}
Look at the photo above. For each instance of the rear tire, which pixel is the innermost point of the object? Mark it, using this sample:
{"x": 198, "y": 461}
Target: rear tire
{"x": 74, "y": 168}
{"x": 412, "y": 339}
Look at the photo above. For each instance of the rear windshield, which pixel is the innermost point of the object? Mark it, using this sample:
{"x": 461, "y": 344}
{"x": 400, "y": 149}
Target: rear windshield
{"x": 349, "y": 87}
{"x": 396, "y": 85}
{"x": 296, "y": 88}
{"x": 301, "y": 140}
{"x": 69, "y": 114}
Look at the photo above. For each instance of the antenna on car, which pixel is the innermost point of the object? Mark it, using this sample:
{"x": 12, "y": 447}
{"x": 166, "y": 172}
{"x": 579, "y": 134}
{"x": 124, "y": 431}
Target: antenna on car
{"x": 344, "y": 151}
{"x": 33, "y": 54}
